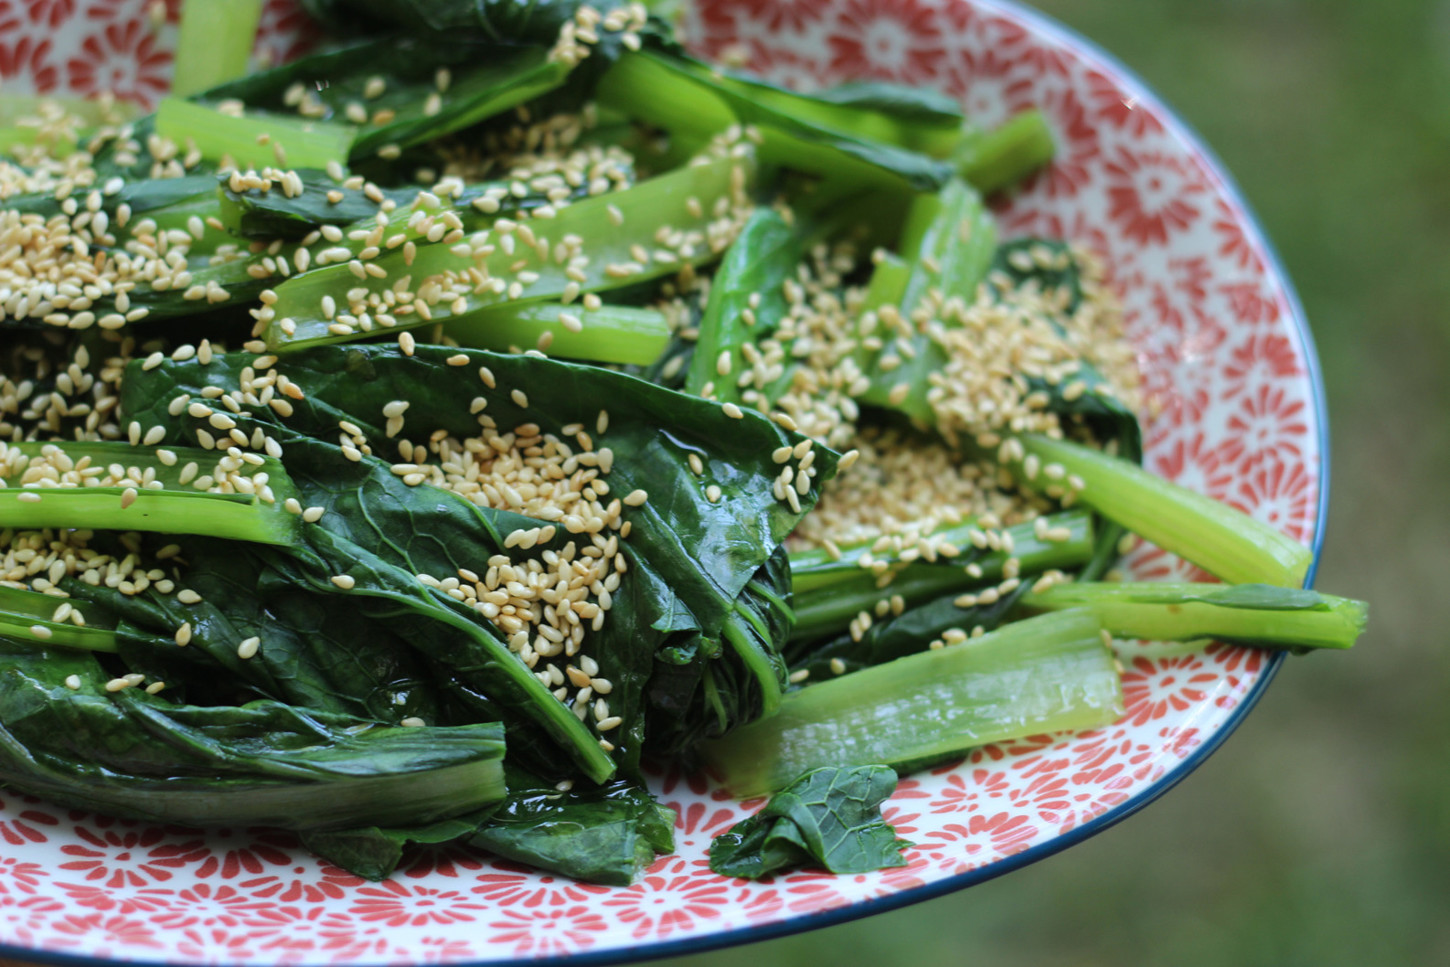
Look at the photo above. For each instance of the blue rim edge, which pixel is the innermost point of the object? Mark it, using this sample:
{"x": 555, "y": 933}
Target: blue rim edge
{"x": 865, "y": 908}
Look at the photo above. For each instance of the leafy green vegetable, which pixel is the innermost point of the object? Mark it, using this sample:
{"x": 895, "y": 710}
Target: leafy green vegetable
{"x": 690, "y": 558}
{"x": 486, "y": 79}
{"x": 895, "y": 637}
{"x": 30, "y": 615}
{"x": 169, "y": 509}
{"x": 746, "y": 286}
{"x": 694, "y": 102}
{"x": 948, "y": 243}
{"x": 608, "y": 834}
{"x": 994, "y": 160}
{"x": 1042, "y": 674}
{"x": 618, "y": 225}
{"x": 829, "y": 817}
{"x": 132, "y": 754}
{"x": 610, "y": 334}
{"x": 829, "y": 592}
{"x": 1250, "y": 614}
{"x": 705, "y": 686}
{"x": 505, "y": 21}
{"x": 1223, "y": 541}
{"x": 214, "y": 42}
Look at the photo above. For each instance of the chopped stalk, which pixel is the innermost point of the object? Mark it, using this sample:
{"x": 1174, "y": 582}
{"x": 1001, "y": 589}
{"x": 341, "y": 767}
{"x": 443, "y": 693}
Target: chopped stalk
{"x": 764, "y": 667}
{"x": 171, "y": 508}
{"x": 610, "y": 334}
{"x": 997, "y": 159}
{"x": 948, "y": 241}
{"x": 31, "y": 616}
{"x": 694, "y": 103}
{"x": 218, "y": 136}
{"x": 213, "y": 43}
{"x": 1256, "y": 614}
{"x": 1043, "y": 674}
{"x": 828, "y": 594}
{"x": 618, "y": 225}
{"x": 1225, "y": 542}
{"x": 747, "y": 285}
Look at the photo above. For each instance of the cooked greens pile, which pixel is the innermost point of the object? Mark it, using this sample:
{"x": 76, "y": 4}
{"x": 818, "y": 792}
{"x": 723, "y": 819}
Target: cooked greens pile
{"x": 411, "y": 443}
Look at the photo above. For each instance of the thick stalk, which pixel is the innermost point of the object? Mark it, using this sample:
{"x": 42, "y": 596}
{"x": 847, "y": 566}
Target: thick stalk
{"x": 1044, "y": 674}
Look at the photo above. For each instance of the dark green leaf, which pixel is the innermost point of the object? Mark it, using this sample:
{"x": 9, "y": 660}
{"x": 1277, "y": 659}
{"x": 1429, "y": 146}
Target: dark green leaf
{"x": 828, "y": 818}
{"x": 690, "y": 558}
{"x": 607, "y": 834}
{"x": 132, "y": 754}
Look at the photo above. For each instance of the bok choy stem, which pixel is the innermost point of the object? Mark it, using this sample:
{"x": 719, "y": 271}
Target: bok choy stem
{"x": 1039, "y": 675}
{"x": 1257, "y": 614}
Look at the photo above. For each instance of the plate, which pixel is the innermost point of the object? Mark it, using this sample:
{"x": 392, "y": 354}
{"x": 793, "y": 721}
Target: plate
{"x": 1236, "y": 410}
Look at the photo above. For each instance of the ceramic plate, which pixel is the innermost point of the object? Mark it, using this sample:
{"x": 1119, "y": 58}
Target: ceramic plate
{"x": 1235, "y": 410}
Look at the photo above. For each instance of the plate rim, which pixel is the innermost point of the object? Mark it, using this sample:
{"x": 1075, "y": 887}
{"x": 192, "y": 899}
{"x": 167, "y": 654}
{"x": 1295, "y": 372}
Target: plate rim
{"x": 1183, "y": 131}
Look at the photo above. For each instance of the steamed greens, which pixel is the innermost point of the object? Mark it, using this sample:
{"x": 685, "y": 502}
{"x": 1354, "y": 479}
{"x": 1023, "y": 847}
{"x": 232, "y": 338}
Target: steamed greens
{"x": 418, "y": 442}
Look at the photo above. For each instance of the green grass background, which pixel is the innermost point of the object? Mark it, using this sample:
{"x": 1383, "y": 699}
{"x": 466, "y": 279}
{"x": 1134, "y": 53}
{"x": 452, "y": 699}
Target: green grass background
{"x": 1319, "y": 834}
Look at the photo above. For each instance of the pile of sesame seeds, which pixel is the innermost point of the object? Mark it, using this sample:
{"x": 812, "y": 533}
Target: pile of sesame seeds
{"x": 582, "y": 32}
{"x": 545, "y": 602}
{"x": 906, "y": 486}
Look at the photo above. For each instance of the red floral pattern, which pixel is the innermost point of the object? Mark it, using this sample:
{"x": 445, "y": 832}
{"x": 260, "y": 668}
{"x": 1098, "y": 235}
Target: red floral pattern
{"x": 1230, "y": 413}
{"x": 124, "y": 57}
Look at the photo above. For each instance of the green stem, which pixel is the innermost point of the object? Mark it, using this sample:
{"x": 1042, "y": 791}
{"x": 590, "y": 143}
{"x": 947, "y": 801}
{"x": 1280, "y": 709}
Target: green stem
{"x": 609, "y": 334}
{"x": 948, "y": 241}
{"x": 756, "y": 661}
{"x": 171, "y": 509}
{"x": 29, "y": 616}
{"x": 213, "y": 43}
{"x": 617, "y": 225}
{"x": 1223, "y": 541}
{"x": 997, "y": 159}
{"x": 302, "y": 143}
{"x": 828, "y": 593}
{"x": 1044, "y": 674}
{"x": 1256, "y": 614}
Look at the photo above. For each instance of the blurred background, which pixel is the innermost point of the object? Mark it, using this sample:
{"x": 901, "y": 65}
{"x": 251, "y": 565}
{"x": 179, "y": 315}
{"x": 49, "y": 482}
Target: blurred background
{"x": 1320, "y": 833}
